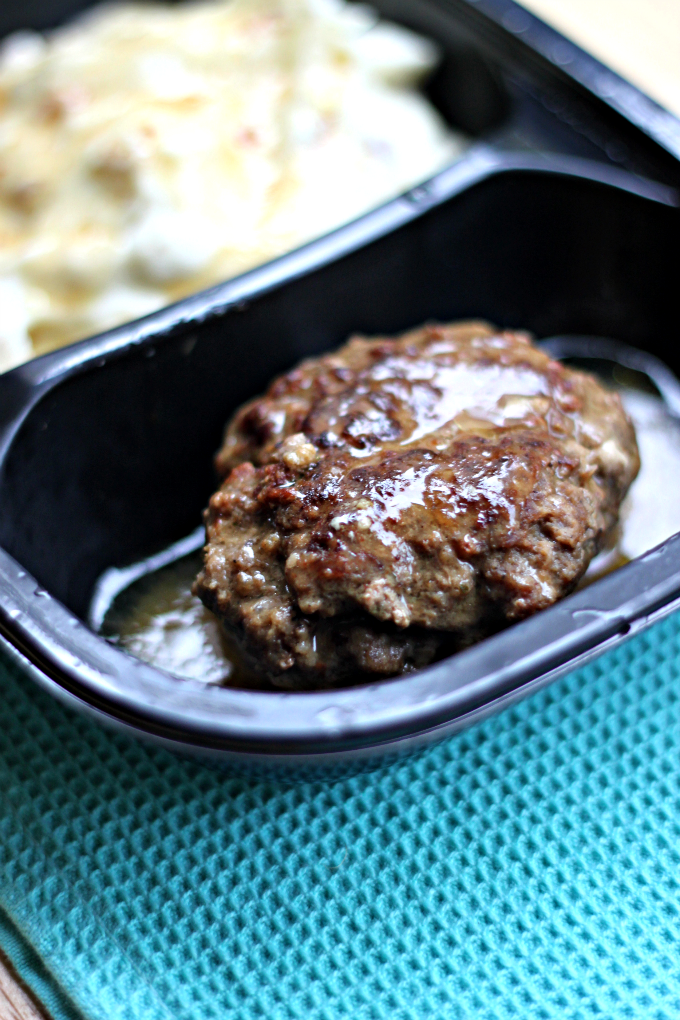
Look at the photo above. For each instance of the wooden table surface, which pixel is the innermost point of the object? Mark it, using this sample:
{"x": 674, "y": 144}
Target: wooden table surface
{"x": 16, "y": 1002}
{"x": 638, "y": 38}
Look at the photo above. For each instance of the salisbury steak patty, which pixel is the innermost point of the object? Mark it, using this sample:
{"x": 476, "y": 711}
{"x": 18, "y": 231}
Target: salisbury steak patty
{"x": 400, "y": 497}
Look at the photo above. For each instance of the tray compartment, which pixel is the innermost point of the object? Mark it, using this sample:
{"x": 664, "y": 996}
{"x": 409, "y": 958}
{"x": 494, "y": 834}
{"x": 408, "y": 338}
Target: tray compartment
{"x": 114, "y": 462}
{"x": 106, "y": 446}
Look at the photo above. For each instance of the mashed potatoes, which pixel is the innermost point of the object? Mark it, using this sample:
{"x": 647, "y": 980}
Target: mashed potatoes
{"x": 147, "y": 151}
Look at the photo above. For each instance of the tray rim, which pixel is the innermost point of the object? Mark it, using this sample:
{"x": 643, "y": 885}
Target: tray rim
{"x": 583, "y": 68}
{"x": 338, "y": 735}
{"x": 323, "y": 725}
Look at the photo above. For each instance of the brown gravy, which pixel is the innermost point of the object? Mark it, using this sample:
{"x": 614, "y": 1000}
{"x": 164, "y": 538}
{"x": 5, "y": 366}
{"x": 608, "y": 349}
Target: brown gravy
{"x": 157, "y": 619}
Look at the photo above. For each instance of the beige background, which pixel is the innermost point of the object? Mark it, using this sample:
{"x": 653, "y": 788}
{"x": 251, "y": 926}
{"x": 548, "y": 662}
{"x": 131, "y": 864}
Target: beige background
{"x": 638, "y": 38}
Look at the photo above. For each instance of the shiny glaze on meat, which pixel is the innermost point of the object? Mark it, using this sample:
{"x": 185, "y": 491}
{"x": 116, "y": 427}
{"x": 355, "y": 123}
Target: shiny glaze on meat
{"x": 400, "y": 498}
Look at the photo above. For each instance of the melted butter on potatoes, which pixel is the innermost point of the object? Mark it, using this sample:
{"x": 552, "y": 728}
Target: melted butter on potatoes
{"x": 149, "y": 150}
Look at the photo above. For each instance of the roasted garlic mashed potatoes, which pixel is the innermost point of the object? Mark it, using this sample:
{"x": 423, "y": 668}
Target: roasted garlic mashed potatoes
{"x": 147, "y": 151}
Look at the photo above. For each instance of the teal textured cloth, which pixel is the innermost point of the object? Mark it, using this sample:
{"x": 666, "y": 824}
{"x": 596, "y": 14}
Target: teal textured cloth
{"x": 526, "y": 868}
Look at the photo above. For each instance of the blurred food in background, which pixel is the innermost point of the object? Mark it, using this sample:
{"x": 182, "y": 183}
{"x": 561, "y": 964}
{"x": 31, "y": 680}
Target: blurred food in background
{"x": 147, "y": 151}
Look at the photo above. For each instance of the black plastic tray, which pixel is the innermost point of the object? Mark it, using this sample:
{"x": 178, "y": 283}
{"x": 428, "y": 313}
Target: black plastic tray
{"x": 106, "y": 446}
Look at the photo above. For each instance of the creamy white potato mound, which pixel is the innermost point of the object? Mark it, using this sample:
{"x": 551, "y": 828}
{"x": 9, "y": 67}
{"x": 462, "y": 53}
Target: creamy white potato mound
{"x": 147, "y": 151}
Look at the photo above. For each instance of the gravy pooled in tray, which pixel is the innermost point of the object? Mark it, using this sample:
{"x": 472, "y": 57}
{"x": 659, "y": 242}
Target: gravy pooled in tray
{"x": 401, "y": 498}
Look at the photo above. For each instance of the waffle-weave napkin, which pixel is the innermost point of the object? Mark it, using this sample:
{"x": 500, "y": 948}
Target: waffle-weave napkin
{"x": 526, "y": 868}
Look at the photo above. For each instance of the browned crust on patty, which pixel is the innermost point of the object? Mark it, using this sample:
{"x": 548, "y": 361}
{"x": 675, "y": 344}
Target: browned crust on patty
{"x": 402, "y": 497}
